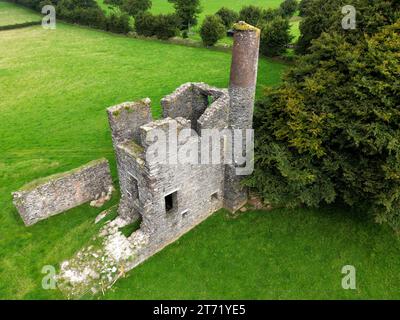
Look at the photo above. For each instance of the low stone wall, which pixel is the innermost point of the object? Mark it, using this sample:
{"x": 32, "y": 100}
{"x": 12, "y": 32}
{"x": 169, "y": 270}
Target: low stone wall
{"x": 49, "y": 196}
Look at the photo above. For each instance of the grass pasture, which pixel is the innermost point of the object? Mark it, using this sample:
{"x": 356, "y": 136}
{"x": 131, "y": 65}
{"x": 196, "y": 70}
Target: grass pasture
{"x": 54, "y": 88}
{"x": 208, "y": 6}
{"x": 282, "y": 254}
{"x": 11, "y": 14}
{"x": 212, "y": 6}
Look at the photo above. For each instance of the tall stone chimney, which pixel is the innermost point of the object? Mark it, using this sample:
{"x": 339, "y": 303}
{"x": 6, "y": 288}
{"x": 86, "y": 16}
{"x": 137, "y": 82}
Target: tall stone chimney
{"x": 242, "y": 89}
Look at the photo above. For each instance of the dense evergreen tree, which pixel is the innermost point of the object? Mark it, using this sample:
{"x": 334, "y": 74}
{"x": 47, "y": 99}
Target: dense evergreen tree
{"x": 288, "y": 7}
{"x": 331, "y": 131}
{"x": 326, "y": 16}
{"x": 303, "y": 7}
{"x": 251, "y": 14}
{"x": 163, "y": 26}
{"x": 228, "y": 16}
{"x": 271, "y": 14}
{"x": 275, "y": 37}
{"x": 134, "y": 7}
{"x": 212, "y": 30}
{"x": 187, "y": 11}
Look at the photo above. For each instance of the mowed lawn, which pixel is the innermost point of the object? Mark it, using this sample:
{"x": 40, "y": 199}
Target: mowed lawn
{"x": 54, "y": 88}
{"x": 11, "y": 14}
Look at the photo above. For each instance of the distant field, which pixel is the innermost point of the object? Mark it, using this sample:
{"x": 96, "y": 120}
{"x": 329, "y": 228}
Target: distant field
{"x": 210, "y": 6}
{"x": 11, "y": 14}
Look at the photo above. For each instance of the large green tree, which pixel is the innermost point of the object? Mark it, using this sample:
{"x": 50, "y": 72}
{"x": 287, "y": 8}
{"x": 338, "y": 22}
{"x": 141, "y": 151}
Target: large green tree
{"x": 275, "y": 37}
{"x": 212, "y": 30}
{"x": 331, "y": 131}
{"x": 288, "y": 7}
{"x": 326, "y": 16}
{"x": 251, "y": 14}
{"x": 187, "y": 11}
{"x": 134, "y": 7}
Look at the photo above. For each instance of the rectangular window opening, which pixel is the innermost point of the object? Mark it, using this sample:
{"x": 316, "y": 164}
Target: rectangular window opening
{"x": 171, "y": 202}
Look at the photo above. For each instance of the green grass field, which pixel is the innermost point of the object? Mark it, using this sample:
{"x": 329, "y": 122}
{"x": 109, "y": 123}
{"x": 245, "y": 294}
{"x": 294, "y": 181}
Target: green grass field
{"x": 54, "y": 88}
{"x": 283, "y": 254}
{"x": 11, "y": 14}
{"x": 212, "y": 6}
{"x": 208, "y": 6}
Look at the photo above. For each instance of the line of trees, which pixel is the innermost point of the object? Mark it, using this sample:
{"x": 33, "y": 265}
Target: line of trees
{"x": 162, "y": 26}
{"x": 84, "y": 12}
{"x": 274, "y": 25}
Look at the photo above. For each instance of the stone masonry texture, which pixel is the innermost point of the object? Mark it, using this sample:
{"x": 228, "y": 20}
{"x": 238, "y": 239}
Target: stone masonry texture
{"x": 47, "y": 197}
{"x": 242, "y": 89}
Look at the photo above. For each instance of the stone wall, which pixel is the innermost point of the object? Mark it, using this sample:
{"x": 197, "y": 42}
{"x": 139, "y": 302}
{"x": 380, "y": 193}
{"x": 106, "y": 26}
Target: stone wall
{"x": 126, "y": 118}
{"x": 197, "y": 191}
{"x": 49, "y": 196}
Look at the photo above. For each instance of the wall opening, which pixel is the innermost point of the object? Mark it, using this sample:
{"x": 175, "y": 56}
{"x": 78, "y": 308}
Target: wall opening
{"x": 215, "y": 196}
{"x": 171, "y": 202}
{"x": 210, "y": 100}
{"x": 185, "y": 213}
{"x": 133, "y": 188}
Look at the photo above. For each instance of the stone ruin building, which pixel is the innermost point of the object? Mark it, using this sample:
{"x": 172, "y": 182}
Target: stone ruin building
{"x": 170, "y": 199}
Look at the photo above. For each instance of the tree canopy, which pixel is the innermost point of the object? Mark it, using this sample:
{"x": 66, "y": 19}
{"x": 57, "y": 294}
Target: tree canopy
{"x": 331, "y": 131}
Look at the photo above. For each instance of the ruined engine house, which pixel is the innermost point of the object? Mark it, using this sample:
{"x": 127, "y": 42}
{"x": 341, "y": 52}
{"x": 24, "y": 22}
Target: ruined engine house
{"x": 170, "y": 199}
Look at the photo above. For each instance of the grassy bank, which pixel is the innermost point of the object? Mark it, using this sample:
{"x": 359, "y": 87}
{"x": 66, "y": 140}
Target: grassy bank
{"x": 11, "y": 14}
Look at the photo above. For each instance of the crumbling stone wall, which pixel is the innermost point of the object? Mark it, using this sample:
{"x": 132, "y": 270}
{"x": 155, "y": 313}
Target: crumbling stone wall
{"x": 194, "y": 191}
{"x": 126, "y": 118}
{"x": 125, "y": 121}
{"x": 172, "y": 196}
{"x": 49, "y": 196}
{"x": 197, "y": 190}
{"x": 189, "y": 101}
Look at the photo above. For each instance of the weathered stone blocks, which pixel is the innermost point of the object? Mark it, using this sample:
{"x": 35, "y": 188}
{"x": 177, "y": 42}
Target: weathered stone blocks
{"x": 52, "y": 195}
